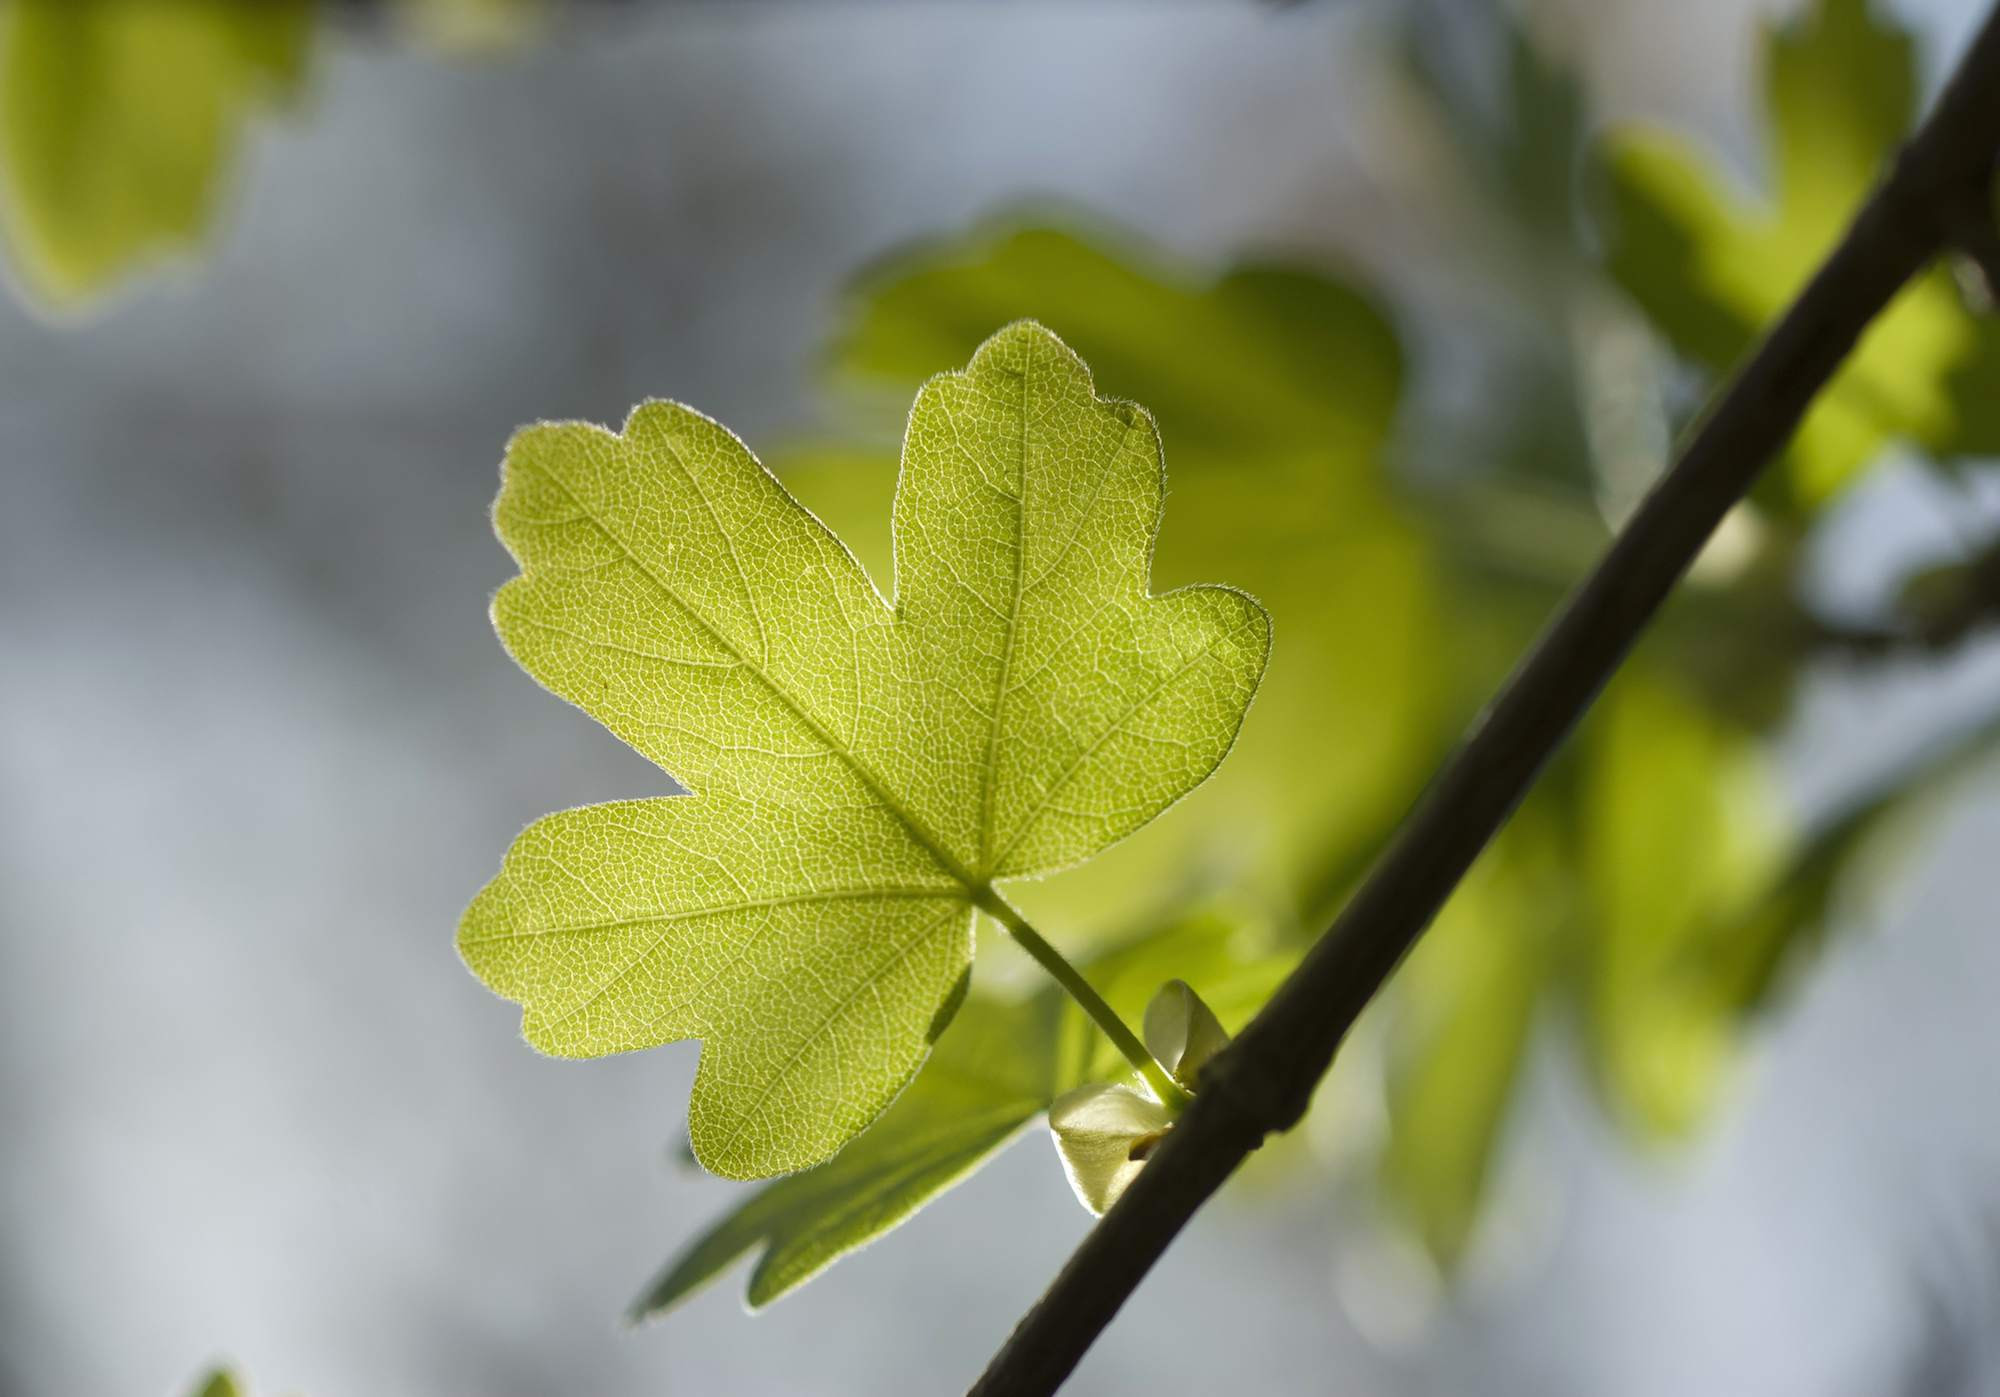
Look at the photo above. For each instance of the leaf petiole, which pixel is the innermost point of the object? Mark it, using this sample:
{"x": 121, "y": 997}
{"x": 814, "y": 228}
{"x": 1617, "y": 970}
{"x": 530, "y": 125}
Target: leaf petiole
{"x": 1171, "y": 1094}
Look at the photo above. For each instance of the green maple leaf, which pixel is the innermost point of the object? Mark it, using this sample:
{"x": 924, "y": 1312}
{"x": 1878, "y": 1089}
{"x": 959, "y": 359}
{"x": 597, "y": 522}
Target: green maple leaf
{"x": 1712, "y": 269}
{"x": 861, "y": 773}
{"x": 117, "y": 120}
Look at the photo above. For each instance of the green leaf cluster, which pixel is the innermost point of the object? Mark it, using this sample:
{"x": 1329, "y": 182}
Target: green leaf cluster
{"x": 1713, "y": 265}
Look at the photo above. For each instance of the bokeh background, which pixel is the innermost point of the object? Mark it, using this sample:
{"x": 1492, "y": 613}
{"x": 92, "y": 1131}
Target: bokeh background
{"x": 258, "y": 745}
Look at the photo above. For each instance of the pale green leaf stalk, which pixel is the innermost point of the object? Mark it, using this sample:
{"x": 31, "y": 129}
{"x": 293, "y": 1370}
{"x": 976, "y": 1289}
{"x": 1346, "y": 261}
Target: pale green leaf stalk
{"x": 861, "y": 773}
{"x": 118, "y": 119}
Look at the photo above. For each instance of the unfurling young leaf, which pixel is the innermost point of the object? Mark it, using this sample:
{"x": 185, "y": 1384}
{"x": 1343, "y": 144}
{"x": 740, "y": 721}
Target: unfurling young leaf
{"x": 1182, "y": 1032}
{"x": 1104, "y": 1131}
{"x": 861, "y": 773}
{"x": 1104, "y": 1134}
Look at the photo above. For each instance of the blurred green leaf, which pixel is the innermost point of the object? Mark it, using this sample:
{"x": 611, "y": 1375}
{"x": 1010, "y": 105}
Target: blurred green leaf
{"x": 1526, "y": 150}
{"x": 118, "y": 119}
{"x": 474, "y": 26}
{"x": 1239, "y": 366}
{"x": 1713, "y": 268}
{"x": 1459, "y": 1015}
{"x": 1680, "y": 829}
{"x": 1275, "y": 389}
{"x": 1742, "y": 957}
{"x": 220, "y": 1382}
{"x": 1182, "y": 1032}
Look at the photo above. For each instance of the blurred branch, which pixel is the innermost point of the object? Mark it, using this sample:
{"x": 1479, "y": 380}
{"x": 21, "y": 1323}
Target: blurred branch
{"x": 1264, "y": 1081}
{"x": 1939, "y": 611}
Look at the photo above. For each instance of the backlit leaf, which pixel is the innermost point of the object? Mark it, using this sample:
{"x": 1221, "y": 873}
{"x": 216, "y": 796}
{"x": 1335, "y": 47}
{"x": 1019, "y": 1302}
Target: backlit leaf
{"x": 1182, "y": 1032}
{"x": 1104, "y": 1133}
{"x": 860, "y": 773}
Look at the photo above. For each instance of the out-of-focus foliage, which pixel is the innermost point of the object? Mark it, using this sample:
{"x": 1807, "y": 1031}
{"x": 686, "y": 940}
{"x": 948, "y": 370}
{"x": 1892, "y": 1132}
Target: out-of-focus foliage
{"x": 473, "y": 25}
{"x": 1458, "y": 1025}
{"x": 1713, "y": 266}
{"x": 118, "y": 122}
{"x": 220, "y": 1382}
{"x": 1677, "y": 831}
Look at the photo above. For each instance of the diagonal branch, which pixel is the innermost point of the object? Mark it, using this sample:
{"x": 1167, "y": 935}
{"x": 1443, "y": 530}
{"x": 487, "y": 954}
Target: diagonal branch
{"x": 1264, "y": 1081}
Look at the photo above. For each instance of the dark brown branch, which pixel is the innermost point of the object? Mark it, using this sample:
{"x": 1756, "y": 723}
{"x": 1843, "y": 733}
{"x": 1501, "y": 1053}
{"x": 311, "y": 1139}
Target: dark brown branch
{"x": 1263, "y": 1082}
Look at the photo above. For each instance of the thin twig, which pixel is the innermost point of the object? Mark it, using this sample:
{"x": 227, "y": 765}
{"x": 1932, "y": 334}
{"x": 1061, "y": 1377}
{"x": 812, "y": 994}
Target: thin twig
{"x": 1263, "y": 1082}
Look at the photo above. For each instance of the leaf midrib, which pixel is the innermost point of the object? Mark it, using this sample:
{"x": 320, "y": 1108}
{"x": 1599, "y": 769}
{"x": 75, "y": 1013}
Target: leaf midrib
{"x": 723, "y": 909}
